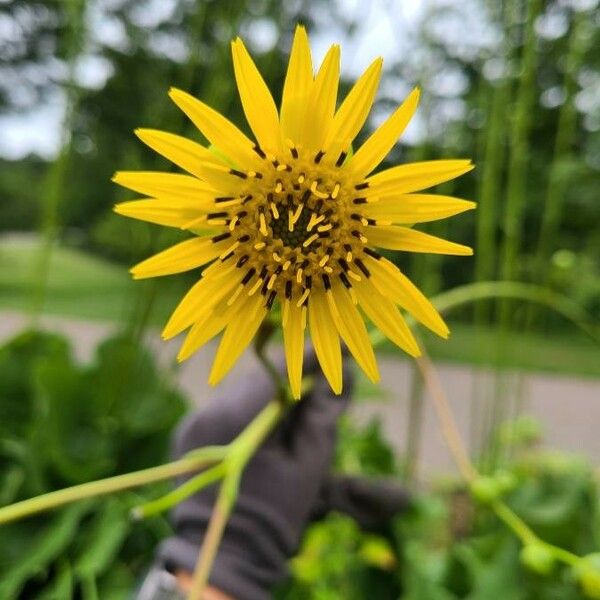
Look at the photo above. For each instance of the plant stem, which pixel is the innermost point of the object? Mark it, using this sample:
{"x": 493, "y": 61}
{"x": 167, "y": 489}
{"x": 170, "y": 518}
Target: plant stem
{"x": 190, "y": 487}
{"x": 240, "y": 452}
{"x": 447, "y": 422}
{"x": 102, "y": 487}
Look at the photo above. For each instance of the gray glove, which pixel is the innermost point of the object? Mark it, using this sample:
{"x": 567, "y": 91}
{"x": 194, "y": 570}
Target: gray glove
{"x": 285, "y": 485}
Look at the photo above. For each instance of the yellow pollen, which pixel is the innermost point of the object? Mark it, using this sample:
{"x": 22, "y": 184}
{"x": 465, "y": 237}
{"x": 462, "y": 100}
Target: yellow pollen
{"x": 251, "y": 173}
{"x": 216, "y": 221}
{"x": 297, "y": 214}
{"x": 301, "y": 178}
{"x": 299, "y": 275}
{"x": 259, "y": 245}
{"x": 314, "y": 220}
{"x": 286, "y": 265}
{"x": 233, "y": 223}
{"x": 276, "y": 257}
{"x": 230, "y": 249}
{"x": 290, "y": 220}
{"x": 324, "y": 260}
{"x": 328, "y": 269}
{"x": 349, "y": 256}
{"x": 316, "y": 192}
{"x": 336, "y": 191}
{"x": 263, "y": 225}
{"x": 362, "y": 238}
{"x": 281, "y": 167}
{"x": 271, "y": 281}
{"x": 278, "y": 187}
{"x": 303, "y": 298}
{"x": 255, "y": 287}
{"x": 325, "y": 227}
{"x": 308, "y": 241}
{"x": 274, "y": 210}
{"x": 235, "y": 295}
{"x": 354, "y": 276}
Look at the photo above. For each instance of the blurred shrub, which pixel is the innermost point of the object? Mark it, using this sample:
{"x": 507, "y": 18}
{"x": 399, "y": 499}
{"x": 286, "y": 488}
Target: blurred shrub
{"x": 62, "y": 424}
{"x": 448, "y": 547}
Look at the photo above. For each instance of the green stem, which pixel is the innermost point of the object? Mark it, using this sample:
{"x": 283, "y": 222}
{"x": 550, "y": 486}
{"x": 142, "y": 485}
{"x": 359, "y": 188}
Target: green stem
{"x": 240, "y": 452}
{"x": 187, "y": 489}
{"x": 110, "y": 485}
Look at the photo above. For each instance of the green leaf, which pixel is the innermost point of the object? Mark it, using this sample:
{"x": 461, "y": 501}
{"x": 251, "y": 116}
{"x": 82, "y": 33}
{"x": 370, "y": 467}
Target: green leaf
{"x": 42, "y": 548}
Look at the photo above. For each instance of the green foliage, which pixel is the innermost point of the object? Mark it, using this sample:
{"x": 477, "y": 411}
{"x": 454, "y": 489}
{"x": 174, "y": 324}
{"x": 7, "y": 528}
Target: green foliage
{"x": 61, "y": 424}
{"x": 449, "y": 547}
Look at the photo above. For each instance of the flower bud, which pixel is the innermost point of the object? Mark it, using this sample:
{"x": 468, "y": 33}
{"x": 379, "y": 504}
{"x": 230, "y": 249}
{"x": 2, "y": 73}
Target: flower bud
{"x": 538, "y": 558}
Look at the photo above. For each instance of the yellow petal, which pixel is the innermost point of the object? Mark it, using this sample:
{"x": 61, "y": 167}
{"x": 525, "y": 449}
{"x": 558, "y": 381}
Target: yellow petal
{"x": 376, "y": 148}
{"x": 393, "y": 284}
{"x": 410, "y": 240}
{"x": 296, "y": 88}
{"x": 181, "y": 257}
{"x": 416, "y": 208}
{"x": 352, "y": 329}
{"x": 218, "y": 130}
{"x": 325, "y": 338}
{"x": 353, "y": 112}
{"x": 166, "y": 211}
{"x": 322, "y": 99}
{"x": 239, "y": 333}
{"x": 186, "y": 154}
{"x": 416, "y": 176}
{"x": 258, "y": 104}
{"x": 293, "y": 338}
{"x": 170, "y": 185}
{"x": 386, "y": 317}
{"x": 200, "y": 300}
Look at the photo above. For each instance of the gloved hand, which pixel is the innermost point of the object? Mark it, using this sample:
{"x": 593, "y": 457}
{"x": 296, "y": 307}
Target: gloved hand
{"x": 284, "y": 486}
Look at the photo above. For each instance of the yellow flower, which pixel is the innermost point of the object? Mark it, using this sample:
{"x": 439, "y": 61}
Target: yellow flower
{"x": 292, "y": 218}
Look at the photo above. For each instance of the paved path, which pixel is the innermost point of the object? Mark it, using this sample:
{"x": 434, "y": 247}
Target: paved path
{"x": 568, "y": 408}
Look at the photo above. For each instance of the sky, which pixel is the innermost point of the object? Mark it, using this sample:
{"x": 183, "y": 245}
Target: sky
{"x": 386, "y": 29}
{"x": 39, "y": 130}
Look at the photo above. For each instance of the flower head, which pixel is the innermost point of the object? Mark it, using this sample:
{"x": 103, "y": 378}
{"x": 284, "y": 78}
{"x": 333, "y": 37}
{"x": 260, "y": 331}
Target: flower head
{"x": 293, "y": 218}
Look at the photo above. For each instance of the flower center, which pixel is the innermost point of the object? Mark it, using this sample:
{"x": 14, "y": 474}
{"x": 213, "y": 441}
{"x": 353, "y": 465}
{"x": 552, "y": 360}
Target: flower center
{"x": 294, "y": 226}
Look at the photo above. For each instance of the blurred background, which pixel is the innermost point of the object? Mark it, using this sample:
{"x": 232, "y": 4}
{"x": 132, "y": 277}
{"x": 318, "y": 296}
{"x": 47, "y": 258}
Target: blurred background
{"x": 88, "y": 391}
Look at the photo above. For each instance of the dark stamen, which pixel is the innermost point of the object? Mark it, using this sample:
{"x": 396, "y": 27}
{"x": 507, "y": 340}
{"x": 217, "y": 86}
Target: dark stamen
{"x": 320, "y": 154}
{"x": 259, "y": 151}
{"x": 248, "y": 276}
{"x": 326, "y": 281}
{"x": 288, "y": 289}
{"x": 359, "y": 201}
{"x": 341, "y": 159}
{"x": 343, "y": 264}
{"x": 306, "y": 196}
{"x": 345, "y": 280}
{"x": 308, "y": 282}
{"x": 247, "y": 199}
{"x": 242, "y": 261}
{"x": 294, "y": 152}
{"x": 239, "y": 174}
{"x": 362, "y": 186}
{"x": 244, "y": 238}
{"x": 271, "y": 299}
{"x": 361, "y": 265}
{"x": 217, "y": 215}
{"x": 372, "y": 253}
{"x": 224, "y": 199}
{"x": 221, "y": 237}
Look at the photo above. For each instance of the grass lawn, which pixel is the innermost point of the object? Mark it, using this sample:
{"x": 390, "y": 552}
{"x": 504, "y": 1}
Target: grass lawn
{"x": 84, "y": 286}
